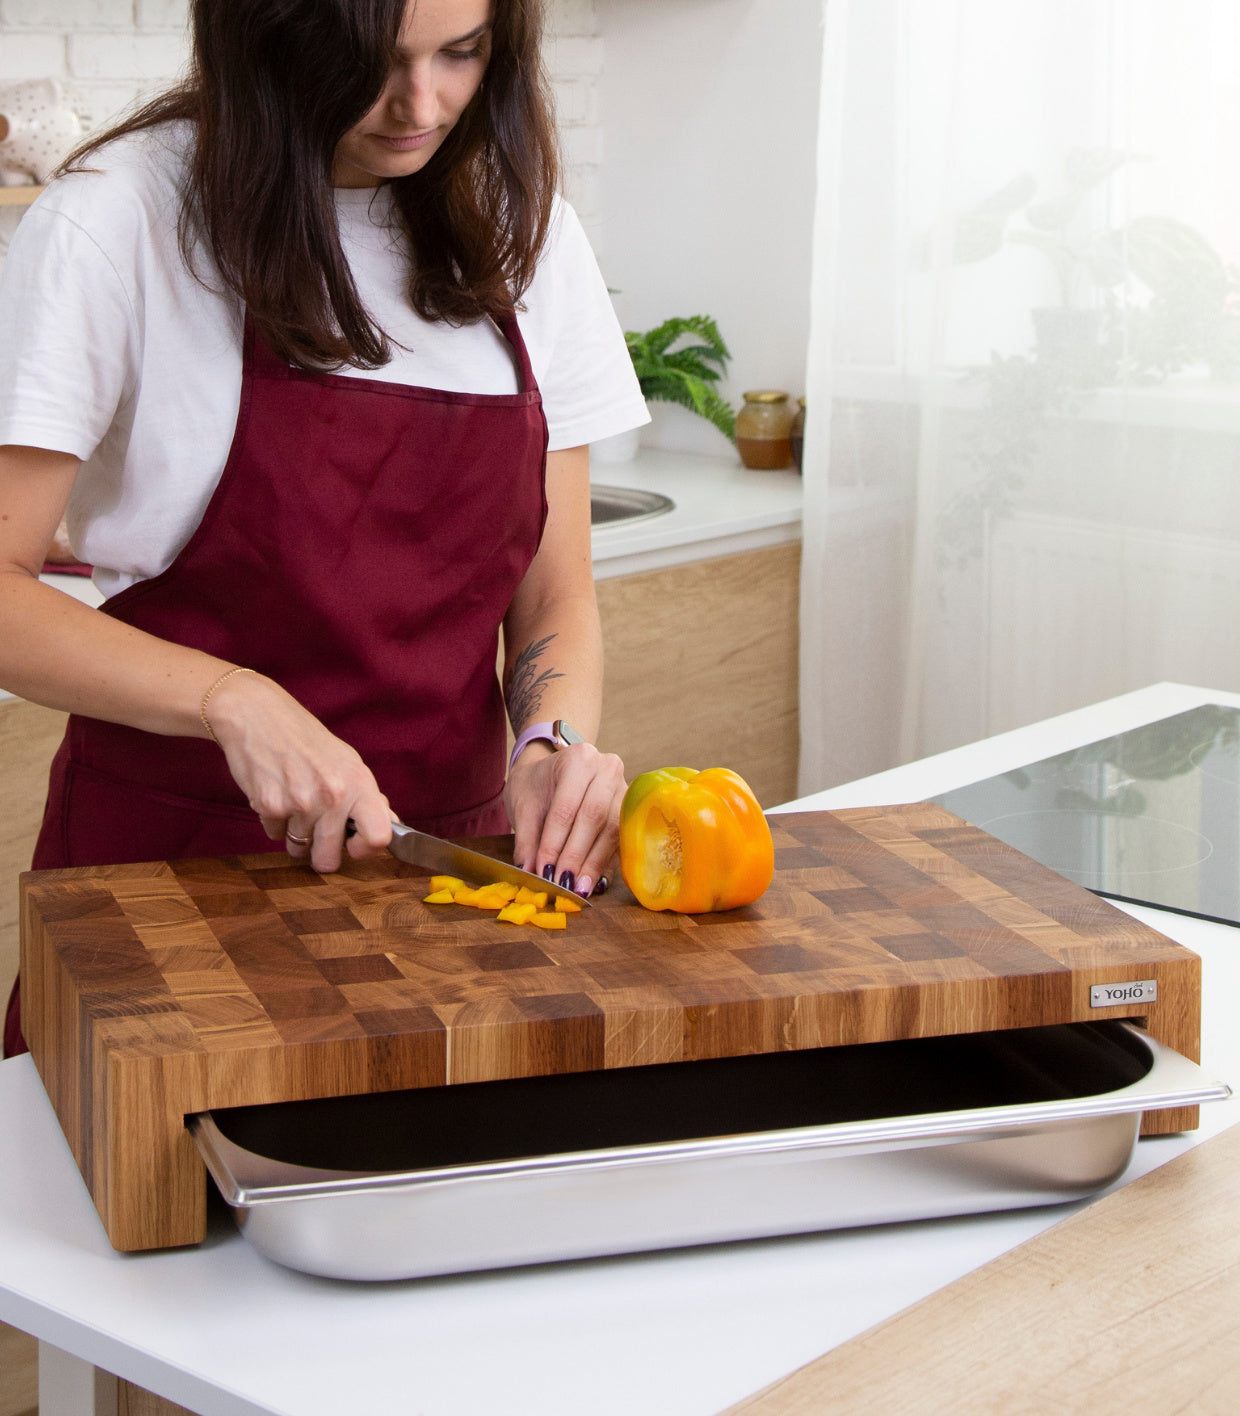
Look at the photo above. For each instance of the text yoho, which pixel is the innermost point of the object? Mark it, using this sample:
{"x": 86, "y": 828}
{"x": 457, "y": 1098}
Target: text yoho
{"x": 1109, "y": 995}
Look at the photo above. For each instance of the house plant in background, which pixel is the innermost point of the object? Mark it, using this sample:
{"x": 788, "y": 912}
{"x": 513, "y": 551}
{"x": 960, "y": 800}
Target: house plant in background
{"x": 38, "y": 130}
{"x": 1139, "y": 301}
{"x": 679, "y": 361}
{"x": 1072, "y": 327}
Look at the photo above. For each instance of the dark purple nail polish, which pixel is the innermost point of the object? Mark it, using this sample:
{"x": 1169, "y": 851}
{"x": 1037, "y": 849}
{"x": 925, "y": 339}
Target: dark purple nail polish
{"x": 549, "y": 872}
{"x": 601, "y": 887}
{"x": 567, "y": 880}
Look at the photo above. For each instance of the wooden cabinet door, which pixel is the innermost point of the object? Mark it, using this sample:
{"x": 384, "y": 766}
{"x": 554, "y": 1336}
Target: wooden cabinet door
{"x": 701, "y": 668}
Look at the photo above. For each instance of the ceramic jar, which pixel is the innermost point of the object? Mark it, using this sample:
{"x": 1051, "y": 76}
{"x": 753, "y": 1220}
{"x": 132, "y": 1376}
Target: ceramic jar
{"x": 798, "y": 433}
{"x": 764, "y": 429}
{"x": 38, "y": 130}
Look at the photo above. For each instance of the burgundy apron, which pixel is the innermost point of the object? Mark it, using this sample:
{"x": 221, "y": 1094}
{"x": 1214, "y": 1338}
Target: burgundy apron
{"x": 362, "y": 548}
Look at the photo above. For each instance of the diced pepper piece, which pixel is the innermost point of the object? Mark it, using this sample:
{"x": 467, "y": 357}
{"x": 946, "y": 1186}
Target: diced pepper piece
{"x": 517, "y": 914}
{"x": 550, "y": 920}
{"x": 446, "y": 882}
{"x": 564, "y": 905}
{"x": 439, "y": 897}
{"x": 526, "y": 896}
{"x": 465, "y": 896}
{"x": 502, "y": 887}
{"x": 488, "y": 900}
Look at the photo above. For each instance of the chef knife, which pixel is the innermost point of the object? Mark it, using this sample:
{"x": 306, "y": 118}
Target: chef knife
{"x": 417, "y": 848}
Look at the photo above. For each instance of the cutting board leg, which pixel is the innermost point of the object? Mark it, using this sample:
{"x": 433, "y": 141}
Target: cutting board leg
{"x": 150, "y": 1184}
{"x": 1176, "y": 1022}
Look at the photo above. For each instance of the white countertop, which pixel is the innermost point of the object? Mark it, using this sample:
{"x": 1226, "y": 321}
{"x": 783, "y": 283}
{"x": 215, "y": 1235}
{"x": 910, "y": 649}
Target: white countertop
{"x": 721, "y": 507}
{"x": 675, "y": 1334}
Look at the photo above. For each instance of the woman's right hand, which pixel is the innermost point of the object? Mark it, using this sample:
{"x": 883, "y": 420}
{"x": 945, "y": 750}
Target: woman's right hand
{"x": 303, "y": 781}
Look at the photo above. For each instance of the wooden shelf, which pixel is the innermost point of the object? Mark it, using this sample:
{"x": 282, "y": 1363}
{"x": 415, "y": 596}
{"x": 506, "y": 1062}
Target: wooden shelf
{"x": 18, "y": 196}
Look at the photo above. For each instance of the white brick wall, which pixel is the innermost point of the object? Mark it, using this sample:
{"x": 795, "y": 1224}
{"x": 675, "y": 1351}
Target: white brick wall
{"x": 125, "y": 58}
{"x": 574, "y": 55}
{"x": 30, "y": 56}
{"x": 161, "y": 14}
{"x": 61, "y": 15}
{"x": 110, "y": 53}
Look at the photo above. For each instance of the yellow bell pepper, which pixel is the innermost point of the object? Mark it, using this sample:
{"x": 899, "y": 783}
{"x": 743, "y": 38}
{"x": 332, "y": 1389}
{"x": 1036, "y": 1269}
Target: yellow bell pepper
{"x": 694, "y": 841}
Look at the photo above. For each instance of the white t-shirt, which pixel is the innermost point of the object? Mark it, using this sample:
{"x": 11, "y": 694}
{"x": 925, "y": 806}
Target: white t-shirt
{"x": 112, "y": 350}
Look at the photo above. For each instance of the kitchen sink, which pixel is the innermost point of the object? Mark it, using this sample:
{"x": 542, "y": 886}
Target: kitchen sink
{"x": 612, "y": 505}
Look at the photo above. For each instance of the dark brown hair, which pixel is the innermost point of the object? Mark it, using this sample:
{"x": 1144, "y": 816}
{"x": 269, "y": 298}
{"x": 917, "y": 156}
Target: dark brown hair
{"x": 273, "y": 86}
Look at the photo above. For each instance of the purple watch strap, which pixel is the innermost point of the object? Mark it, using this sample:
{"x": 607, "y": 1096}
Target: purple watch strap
{"x": 535, "y": 731}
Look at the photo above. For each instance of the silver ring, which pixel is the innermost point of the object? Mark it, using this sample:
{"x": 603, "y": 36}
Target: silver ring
{"x": 296, "y": 840}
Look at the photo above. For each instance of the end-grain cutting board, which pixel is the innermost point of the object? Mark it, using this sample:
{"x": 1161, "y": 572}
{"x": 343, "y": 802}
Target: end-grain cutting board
{"x": 155, "y": 991}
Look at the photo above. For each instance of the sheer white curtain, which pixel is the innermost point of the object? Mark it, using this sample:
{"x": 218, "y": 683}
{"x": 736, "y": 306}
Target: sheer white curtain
{"x": 1022, "y": 461}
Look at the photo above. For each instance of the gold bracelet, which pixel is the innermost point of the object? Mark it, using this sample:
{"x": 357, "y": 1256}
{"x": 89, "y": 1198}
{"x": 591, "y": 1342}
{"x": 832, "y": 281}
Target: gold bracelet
{"x": 202, "y": 709}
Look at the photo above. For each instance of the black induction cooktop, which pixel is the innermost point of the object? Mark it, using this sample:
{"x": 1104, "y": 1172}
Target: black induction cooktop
{"x": 1151, "y": 816}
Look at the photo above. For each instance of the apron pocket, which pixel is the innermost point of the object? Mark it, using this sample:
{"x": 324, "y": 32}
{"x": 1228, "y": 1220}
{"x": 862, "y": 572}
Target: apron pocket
{"x": 112, "y": 821}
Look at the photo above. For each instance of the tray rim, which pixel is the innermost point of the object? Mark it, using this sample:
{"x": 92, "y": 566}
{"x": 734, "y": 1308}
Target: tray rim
{"x": 1171, "y": 1081}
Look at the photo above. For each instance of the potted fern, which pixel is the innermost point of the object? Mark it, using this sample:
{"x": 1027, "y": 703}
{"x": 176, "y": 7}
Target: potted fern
{"x": 679, "y": 361}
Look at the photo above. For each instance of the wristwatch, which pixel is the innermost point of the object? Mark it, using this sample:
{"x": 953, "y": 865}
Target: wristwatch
{"x": 559, "y": 734}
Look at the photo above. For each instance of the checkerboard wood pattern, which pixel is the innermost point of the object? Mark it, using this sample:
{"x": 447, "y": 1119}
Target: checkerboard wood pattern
{"x": 154, "y": 991}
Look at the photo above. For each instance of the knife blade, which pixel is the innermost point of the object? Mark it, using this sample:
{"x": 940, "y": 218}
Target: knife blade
{"x": 417, "y": 848}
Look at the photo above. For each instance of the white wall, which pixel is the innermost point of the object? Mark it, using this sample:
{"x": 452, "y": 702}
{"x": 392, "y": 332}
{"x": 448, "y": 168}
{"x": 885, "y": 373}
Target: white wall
{"x": 709, "y": 115}
{"x": 111, "y": 52}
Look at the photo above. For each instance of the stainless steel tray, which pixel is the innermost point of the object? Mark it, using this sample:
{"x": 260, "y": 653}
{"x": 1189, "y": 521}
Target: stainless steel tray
{"x": 493, "y": 1174}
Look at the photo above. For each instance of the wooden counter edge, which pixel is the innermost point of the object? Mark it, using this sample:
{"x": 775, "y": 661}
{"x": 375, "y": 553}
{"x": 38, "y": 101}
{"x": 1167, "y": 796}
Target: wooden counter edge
{"x": 1129, "y": 1304}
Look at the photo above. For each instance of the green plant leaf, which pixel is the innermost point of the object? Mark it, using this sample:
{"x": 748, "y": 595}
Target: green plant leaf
{"x": 696, "y": 360}
{"x": 684, "y": 376}
{"x": 660, "y": 339}
{"x": 1086, "y": 167}
{"x": 663, "y": 336}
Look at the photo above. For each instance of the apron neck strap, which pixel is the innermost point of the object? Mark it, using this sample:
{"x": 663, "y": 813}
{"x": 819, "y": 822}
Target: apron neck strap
{"x": 511, "y": 331}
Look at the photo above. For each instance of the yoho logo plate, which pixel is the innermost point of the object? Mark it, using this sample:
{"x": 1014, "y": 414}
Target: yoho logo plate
{"x": 1112, "y": 995}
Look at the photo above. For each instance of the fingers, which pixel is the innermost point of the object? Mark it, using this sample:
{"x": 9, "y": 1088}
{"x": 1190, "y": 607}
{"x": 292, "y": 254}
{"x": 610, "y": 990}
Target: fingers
{"x": 304, "y": 783}
{"x": 372, "y": 831}
{"x": 320, "y": 833}
{"x": 565, "y": 812}
{"x": 324, "y": 838}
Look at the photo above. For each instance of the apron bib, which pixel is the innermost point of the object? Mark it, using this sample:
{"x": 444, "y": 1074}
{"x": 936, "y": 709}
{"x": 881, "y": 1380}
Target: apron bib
{"x": 362, "y": 547}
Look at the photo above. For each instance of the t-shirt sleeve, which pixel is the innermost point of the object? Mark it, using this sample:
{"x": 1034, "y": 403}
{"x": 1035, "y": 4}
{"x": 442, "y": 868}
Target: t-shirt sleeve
{"x": 68, "y": 336}
{"x": 588, "y": 385}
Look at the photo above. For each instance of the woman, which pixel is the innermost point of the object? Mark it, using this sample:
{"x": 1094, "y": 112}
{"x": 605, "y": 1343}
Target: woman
{"x": 268, "y": 356}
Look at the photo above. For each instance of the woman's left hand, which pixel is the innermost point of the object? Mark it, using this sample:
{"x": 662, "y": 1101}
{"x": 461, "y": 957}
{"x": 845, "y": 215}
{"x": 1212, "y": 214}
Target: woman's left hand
{"x": 565, "y": 811}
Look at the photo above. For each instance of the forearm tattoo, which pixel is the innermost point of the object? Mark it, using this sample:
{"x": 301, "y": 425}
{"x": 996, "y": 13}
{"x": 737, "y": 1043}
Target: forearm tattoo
{"x": 526, "y": 682}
